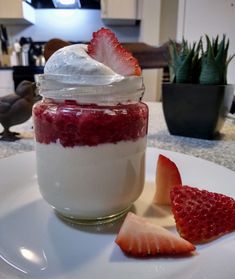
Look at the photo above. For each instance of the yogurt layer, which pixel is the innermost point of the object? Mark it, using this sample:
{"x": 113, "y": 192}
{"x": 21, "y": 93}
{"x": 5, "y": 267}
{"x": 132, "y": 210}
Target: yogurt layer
{"x": 91, "y": 181}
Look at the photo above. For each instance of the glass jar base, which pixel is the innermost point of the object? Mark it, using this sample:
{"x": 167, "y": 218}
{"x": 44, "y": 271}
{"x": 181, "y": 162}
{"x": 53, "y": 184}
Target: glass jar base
{"x": 92, "y": 221}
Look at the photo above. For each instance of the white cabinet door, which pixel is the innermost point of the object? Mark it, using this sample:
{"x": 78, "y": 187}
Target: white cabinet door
{"x": 116, "y": 9}
{"x": 16, "y": 11}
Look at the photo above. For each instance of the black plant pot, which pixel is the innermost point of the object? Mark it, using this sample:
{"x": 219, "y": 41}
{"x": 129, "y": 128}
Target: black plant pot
{"x": 195, "y": 110}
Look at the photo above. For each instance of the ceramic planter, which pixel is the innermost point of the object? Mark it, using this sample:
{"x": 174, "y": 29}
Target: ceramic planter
{"x": 196, "y": 110}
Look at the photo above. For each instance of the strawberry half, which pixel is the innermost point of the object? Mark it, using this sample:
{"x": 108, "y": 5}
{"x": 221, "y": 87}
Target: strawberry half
{"x": 140, "y": 238}
{"x": 105, "y": 48}
{"x": 201, "y": 215}
{"x": 167, "y": 176}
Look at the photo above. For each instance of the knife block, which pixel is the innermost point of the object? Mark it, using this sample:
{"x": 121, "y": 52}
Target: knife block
{"x": 5, "y": 60}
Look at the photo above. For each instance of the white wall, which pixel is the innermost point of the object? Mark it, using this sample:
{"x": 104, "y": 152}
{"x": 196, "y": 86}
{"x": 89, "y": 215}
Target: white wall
{"x": 72, "y": 25}
{"x": 210, "y": 17}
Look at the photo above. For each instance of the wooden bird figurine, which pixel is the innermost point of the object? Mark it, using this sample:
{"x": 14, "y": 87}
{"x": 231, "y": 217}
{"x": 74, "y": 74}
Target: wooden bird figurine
{"x": 16, "y": 108}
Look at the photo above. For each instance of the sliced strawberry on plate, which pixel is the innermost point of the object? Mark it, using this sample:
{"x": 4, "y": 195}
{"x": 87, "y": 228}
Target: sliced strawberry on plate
{"x": 167, "y": 176}
{"x": 201, "y": 215}
{"x": 140, "y": 238}
{"x": 105, "y": 48}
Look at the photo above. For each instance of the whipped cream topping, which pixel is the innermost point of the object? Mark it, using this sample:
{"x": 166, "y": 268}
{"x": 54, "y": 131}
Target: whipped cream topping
{"x": 74, "y": 61}
{"x": 70, "y": 73}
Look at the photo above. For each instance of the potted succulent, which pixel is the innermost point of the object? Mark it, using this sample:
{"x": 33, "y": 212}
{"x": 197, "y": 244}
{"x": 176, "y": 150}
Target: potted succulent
{"x": 198, "y": 98}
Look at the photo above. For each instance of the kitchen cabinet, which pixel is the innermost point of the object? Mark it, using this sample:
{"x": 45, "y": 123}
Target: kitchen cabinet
{"x": 119, "y": 12}
{"x": 16, "y": 12}
{"x": 6, "y": 82}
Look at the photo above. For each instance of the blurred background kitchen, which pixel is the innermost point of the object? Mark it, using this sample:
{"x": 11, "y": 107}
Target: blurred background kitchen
{"x": 26, "y": 25}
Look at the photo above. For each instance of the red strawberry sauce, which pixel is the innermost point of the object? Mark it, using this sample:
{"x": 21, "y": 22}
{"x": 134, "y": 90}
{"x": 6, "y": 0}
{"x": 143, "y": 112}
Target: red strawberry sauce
{"x": 74, "y": 124}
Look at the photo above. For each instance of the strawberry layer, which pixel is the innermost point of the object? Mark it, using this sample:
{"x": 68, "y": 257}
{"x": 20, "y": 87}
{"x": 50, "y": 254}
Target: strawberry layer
{"x": 72, "y": 124}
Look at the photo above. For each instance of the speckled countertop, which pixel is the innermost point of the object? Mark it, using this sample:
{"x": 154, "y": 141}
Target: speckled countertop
{"x": 220, "y": 151}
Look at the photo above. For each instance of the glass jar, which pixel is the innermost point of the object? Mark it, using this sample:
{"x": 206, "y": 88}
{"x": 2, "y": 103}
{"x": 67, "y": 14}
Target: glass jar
{"x": 90, "y": 147}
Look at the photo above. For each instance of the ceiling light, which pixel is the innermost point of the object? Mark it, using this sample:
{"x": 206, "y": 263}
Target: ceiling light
{"x": 65, "y": 4}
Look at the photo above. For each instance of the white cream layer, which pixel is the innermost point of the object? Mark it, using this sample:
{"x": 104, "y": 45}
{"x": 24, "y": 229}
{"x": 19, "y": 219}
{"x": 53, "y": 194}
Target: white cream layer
{"x": 90, "y": 182}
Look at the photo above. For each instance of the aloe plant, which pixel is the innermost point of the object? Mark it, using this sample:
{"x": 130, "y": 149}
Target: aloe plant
{"x": 183, "y": 61}
{"x": 193, "y": 64}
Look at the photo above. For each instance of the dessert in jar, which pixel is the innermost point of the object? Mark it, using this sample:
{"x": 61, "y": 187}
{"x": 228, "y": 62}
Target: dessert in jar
{"x": 90, "y": 131}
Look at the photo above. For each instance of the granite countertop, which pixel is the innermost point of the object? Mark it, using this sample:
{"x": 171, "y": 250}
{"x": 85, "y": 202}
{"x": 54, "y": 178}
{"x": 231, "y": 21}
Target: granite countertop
{"x": 220, "y": 151}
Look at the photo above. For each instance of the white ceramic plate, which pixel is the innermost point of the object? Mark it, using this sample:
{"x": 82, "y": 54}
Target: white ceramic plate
{"x": 34, "y": 243}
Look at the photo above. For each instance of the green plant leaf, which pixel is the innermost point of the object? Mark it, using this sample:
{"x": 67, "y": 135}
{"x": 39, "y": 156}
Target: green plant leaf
{"x": 210, "y": 72}
{"x": 181, "y": 62}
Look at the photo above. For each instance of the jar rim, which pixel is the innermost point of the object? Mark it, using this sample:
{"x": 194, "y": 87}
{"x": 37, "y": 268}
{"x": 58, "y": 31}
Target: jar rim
{"x": 87, "y": 87}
